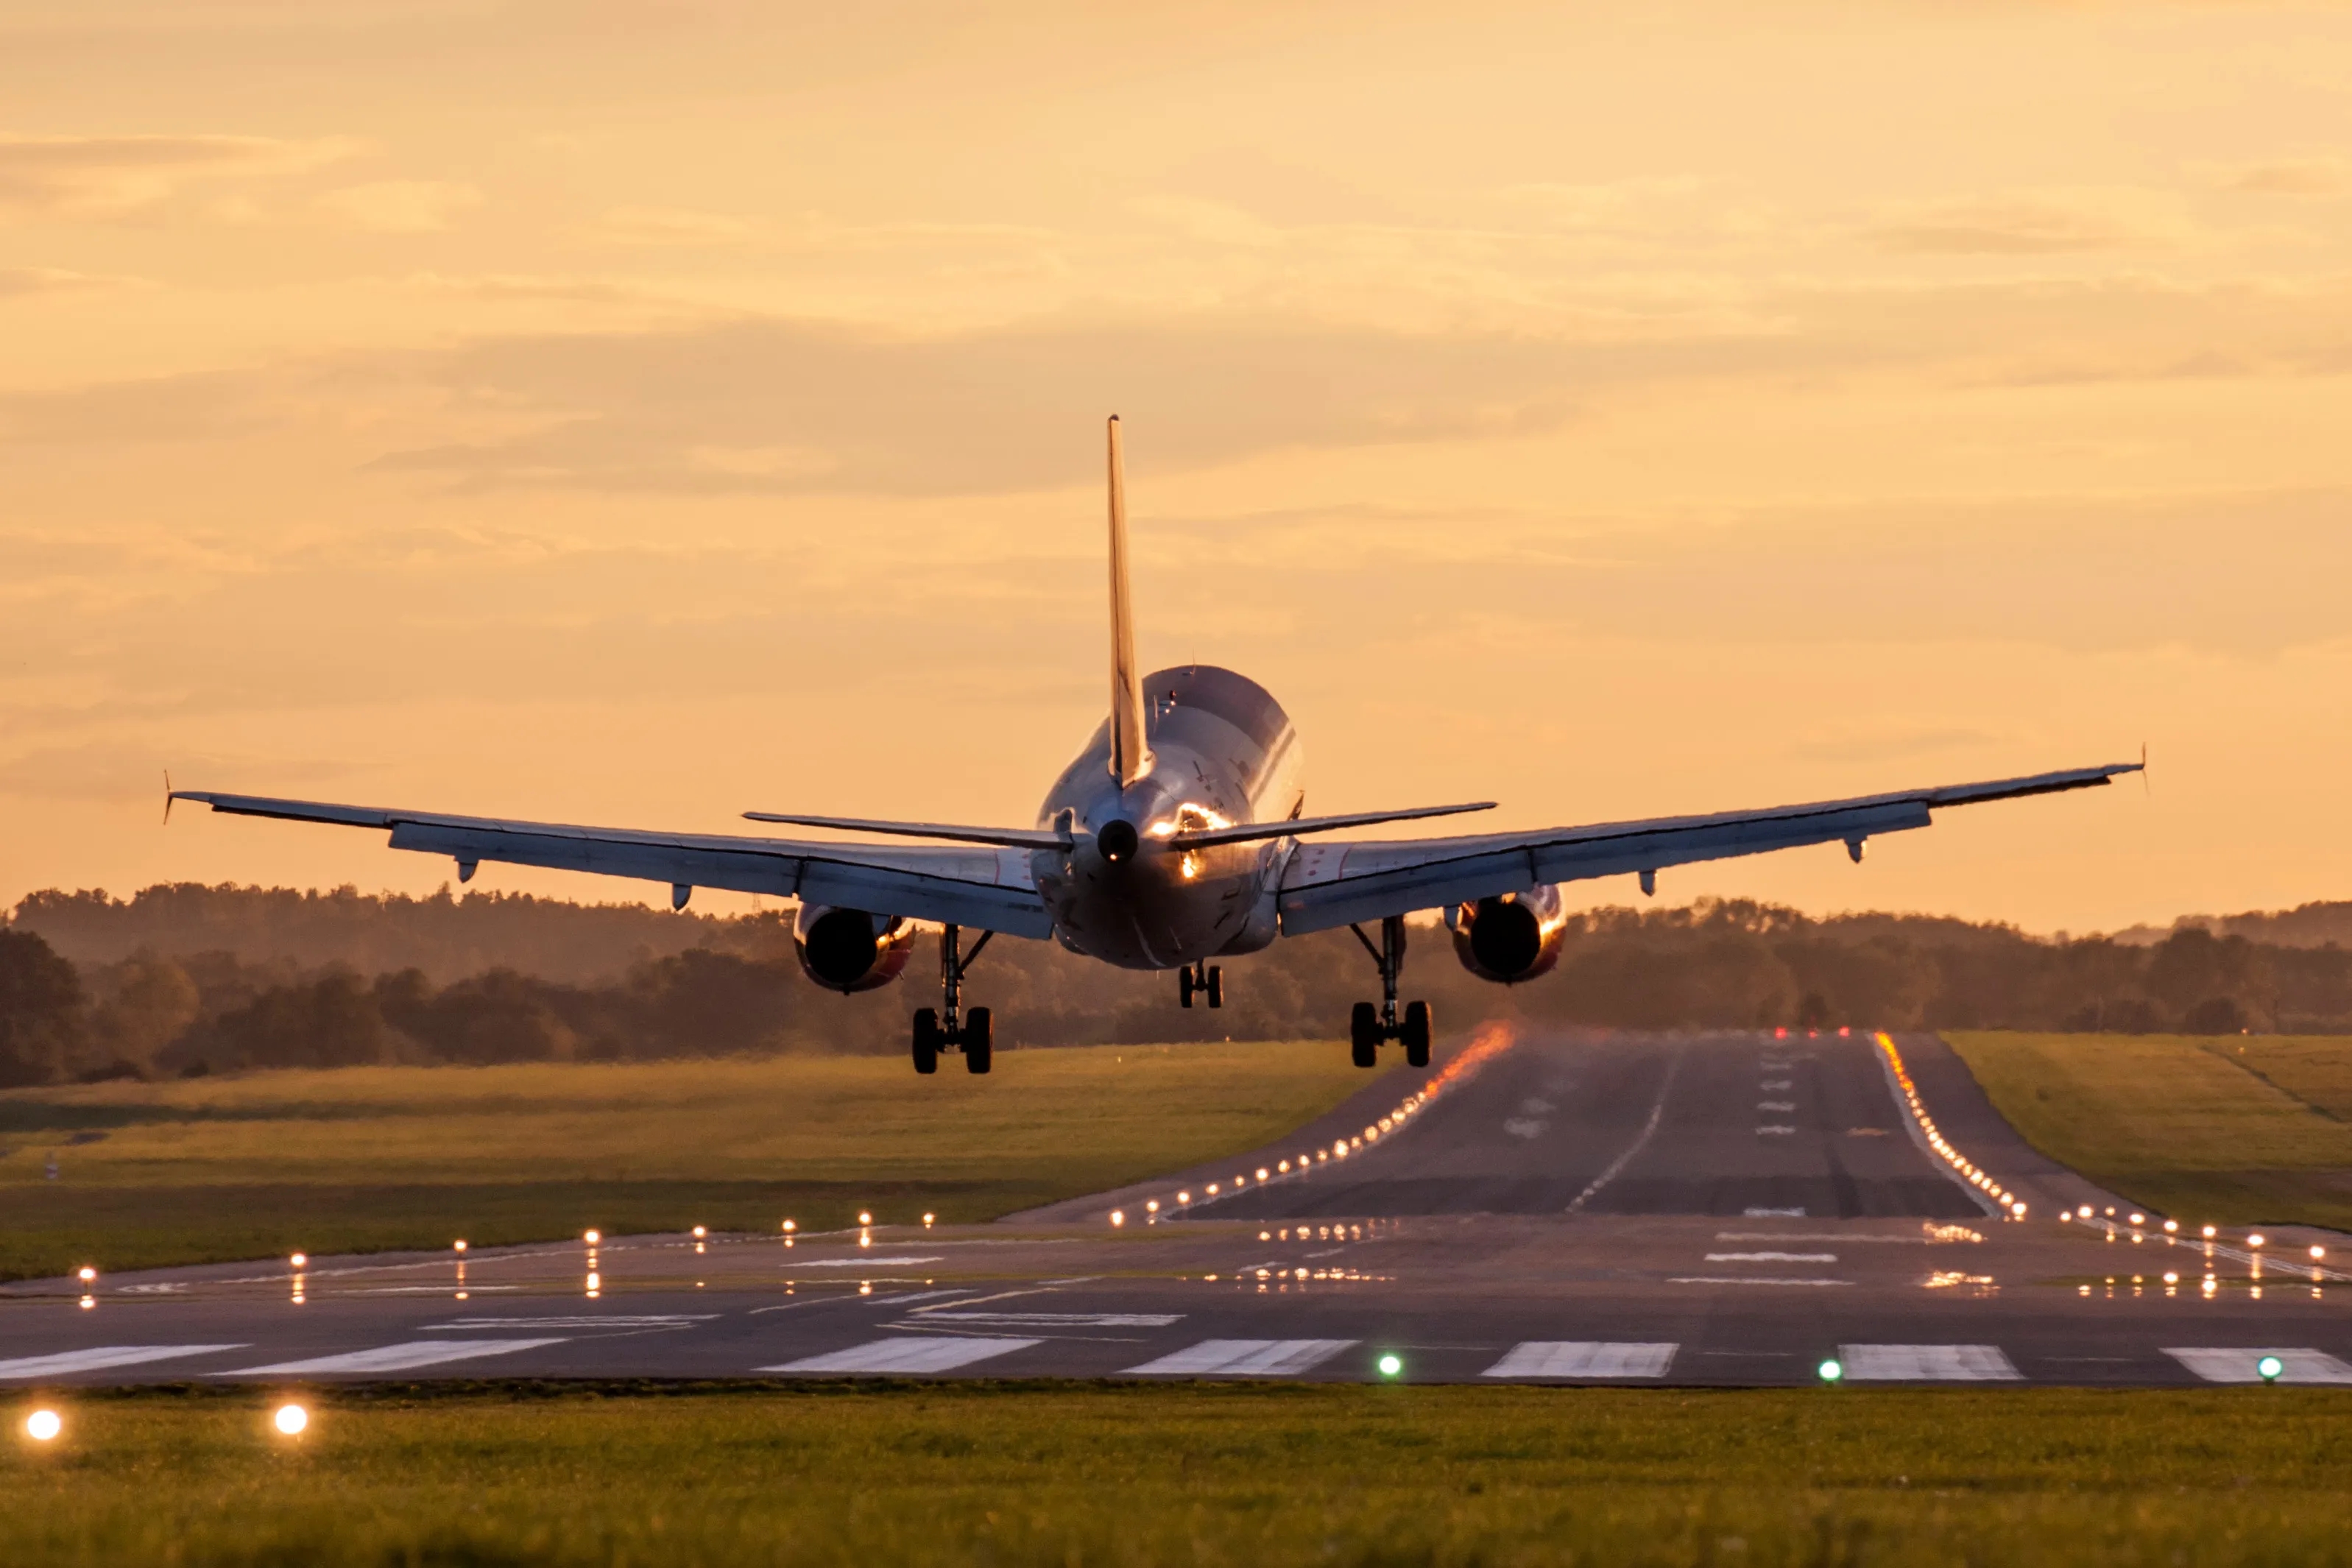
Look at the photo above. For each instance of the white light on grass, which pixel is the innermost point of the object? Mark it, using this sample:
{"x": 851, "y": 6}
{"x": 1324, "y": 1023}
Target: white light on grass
{"x": 1831, "y": 1370}
{"x": 290, "y": 1419}
{"x": 1390, "y": 1364}
{"x": 43, "y": 1426}
{"x": 2270, "y": 1366}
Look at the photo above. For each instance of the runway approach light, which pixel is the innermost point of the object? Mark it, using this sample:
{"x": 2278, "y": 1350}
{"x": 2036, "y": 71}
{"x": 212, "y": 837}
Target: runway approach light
{"x": 2255, "y": 1239}
{"x": 789, "y": 1228}
{"x": 592, "y": 1237}
{"x": 1831, "y": 1370}
{"x": 2208, "y": 1233}
{"x": 86, "y": 1274}
{"x": 290, "y": 1419}
{"x": 2270, "y": 1366}
{"x": 43, "y": 1426}
{"x": 2318, "y": 1253}
{"x": 928, "y": 1218}
{"x": 1390, "y": 1364}
{"x": 699, "y": 1232}
{"x": 2171, "y": 1226}
{"x": 301, "y": 1261}
{"x": 458, "y": 1246}
{"x": 1118, "y": 1217}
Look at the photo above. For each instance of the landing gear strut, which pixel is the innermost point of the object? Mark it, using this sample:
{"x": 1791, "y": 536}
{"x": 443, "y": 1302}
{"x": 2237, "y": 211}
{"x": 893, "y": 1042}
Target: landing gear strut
{"x": 950, "y": 1029}
{"x": 1202, "y": 979}
{"x": 1368, "y": 1026}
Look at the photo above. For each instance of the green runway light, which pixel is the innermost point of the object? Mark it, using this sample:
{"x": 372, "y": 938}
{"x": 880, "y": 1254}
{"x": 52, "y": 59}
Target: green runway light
{"x": 1390, "y": 1364}
{"x": 2270, "y": 1366}
{"x": 1831, "y": 1370}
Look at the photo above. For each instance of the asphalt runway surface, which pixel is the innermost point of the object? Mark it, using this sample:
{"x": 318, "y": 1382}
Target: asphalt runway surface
{"x": 1728, "y": 1209}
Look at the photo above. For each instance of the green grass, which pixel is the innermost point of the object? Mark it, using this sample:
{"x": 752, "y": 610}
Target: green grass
{"x": 361, "y": 1159}
{"x": 2240, "y": 1129}
{"x": 1066, "y": 1474}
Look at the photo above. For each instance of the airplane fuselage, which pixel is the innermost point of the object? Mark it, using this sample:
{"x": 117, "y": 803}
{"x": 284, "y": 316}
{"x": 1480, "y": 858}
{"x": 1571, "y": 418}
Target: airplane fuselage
{"x": 1223, "y": 753}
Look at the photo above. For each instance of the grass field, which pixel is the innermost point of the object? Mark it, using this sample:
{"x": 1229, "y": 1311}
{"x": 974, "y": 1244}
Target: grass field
{"x": 2240, "y": 1129}
{"x": 1066, "y": 1474}
{"x": 370, "y": 1158}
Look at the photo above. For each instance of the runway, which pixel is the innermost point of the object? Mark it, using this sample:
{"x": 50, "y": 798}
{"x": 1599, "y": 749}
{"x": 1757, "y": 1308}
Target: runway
{"x": 1730, "y": 1209}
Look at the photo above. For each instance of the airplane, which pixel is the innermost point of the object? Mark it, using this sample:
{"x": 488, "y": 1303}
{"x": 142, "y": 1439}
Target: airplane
{"x": 1176, "y": 836}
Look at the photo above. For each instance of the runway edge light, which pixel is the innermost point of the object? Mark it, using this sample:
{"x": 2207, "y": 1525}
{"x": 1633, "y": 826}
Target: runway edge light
{"x": 1390, "y": 1364}
{"x": 1831, "y": 1370}
{"x": 2270, "y": 1366}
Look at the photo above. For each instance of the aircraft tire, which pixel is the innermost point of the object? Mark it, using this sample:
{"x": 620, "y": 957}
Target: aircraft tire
{"x": 1414, "y": 1032}
{"x": 1364, "y": 1035}
{"x": 1216, "y": 985}
{"x": 926, "y": 1040}
{"x": 976, "y": 1045}
{"x": 1184, "y": 987}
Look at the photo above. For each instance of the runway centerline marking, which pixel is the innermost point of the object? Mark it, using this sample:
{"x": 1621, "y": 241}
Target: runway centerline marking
{"x": 1244, "y": 1358}
{"x": 906, "y": 1355}
{"x": 1770, "y": 1258}
{"x": 1927, "y": 1363}
{"x": 674, "y": 1320}
{"x": 1583, "y": 1358}
{"x": 862, "y": 1263}
{"x": 1058, "y": 1319}
{"x": 1775, "y": 1131}
{"x": 1776, "y": 1105}
{"x": 99, "y": 1358}
{"x": 1746, "y": 1279}
{"x": 402, "y": 1357}
{"x": 2229, "y": 1364}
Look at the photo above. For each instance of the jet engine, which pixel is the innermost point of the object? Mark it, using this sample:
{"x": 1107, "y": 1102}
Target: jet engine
{"x": 1511, "y": 937}
{"x": 849, "y": 950}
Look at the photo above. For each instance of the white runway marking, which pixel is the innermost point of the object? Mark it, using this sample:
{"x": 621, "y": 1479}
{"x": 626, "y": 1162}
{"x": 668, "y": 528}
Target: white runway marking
{"x": 860, "y": 1262}
{"x": 1247, "y": 1358}
{"x": 99, "y": 1358}
{"x": 676, "y": 1321}
{"x": 2232, "y": 1366}
{"x": 1746, "y": 1279}
{"x": 1057, "y": 1319}
{"x": 1764, "y": 1214}
{"x": 402, "y": 1357}
{"x": 1774, "y": 1131}
{"x": 1524, "y": 1127}
{"x": 1771, "y": 1258}
{"x": 1650, "y": 1131}
{"x": 1926, "y": 1363}
{"x": 1583, "y": 1358}
{"x": 1776, "y": 1105}
{"x": 906, "y": 1355}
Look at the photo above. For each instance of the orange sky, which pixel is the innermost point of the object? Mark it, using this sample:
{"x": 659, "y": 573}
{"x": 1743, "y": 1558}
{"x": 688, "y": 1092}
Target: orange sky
{"x": 639, "y": 413}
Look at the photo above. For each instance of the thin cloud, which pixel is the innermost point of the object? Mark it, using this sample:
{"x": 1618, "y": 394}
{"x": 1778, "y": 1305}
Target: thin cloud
{"x": 399, "y": 206}
{"x": 669, "y": 226}
{"x": 2032, "y": 223}
{"x": 108, "y": 176}
{"x": 2323, "y": 176}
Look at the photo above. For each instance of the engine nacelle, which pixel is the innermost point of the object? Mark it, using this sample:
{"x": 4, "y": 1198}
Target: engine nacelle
{"x": 849, "y": 950}
{"x": 1509, "y": 938}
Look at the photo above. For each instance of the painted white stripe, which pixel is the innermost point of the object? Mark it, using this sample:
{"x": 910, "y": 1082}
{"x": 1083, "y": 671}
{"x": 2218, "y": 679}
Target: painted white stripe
{"x": 1926, "y": 1363}
{"x": 2235, "y": 1365}
{"x": 102, "y": 1357}
{"x": 1246, "y": 1358}
{"x": 1583, "y": 1358}
{"x": 909, "y": 1354}
{"x": 617, "y": 1320}
{"x": 1057, "y": 1320}
{"x": 402, "y": 1357}
{"x": 1775, "y": 1132}
{"x": 1746, "y": 1279}
{"x": 1771, "y": 1258}
{"x": 856, "y": 1262}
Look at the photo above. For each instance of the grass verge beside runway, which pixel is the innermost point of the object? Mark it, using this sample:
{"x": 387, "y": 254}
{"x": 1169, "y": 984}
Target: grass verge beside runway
{"x": 2237, "y": 1130}
{"x": 361, "y": 1159}
{"x": 1095, "y": 1474}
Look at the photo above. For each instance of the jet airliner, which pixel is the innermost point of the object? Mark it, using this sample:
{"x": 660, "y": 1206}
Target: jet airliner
{"x": 1176, "y": 835}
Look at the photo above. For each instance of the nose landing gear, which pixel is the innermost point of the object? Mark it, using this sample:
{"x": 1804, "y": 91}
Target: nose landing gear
{"x": 950, "y": 1029}
{"x": 1368, "y": 1026}
{"x": 1202, "y": 979}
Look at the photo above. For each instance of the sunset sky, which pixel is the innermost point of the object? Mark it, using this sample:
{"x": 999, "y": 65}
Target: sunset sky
{"x": 635, "y": 412}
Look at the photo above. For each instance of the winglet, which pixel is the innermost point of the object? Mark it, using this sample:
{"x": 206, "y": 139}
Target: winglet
{"x": 1130, "y": 756}
{"x": 167, "y": 797}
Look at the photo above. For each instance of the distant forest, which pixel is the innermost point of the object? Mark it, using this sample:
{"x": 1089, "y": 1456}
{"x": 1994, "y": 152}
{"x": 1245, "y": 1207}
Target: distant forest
{"x": 184, "y": 979}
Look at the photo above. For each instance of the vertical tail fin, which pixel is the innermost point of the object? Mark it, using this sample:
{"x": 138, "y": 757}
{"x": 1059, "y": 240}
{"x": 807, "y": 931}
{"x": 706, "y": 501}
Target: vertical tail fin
{"x": 1130, "y": 756}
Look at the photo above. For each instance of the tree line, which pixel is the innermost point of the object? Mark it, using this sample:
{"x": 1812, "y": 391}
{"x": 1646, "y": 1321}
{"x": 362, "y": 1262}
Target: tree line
{"x": 92, "y": 987}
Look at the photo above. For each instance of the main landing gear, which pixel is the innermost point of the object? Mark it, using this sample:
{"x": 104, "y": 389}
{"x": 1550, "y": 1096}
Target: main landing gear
{"x": 1368, "y": 1026}
{"x": 1202, "y": 979}
{"x": 950, "y": 1029}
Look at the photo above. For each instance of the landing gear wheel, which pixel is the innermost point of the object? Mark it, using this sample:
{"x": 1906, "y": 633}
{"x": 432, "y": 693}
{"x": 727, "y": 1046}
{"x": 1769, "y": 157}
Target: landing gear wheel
{"x": 1184, "y": 987}
{"x": 927, "y": 1039}
{"x": 1364, "y": 1035}
{"x": 1216, "y": 985}
{"x": 976, "y": 1043}
{"x": 1414, "y": 1032}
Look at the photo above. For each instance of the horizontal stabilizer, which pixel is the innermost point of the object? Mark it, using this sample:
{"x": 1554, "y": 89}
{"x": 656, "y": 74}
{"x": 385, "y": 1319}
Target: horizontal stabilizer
{"x": 1010, "y": 837}
{"x": 1247, "y": 831}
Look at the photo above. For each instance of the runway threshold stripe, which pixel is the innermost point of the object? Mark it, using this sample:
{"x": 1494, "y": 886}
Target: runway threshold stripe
{"x": 910, "y": 1353}
{"x": 1927, "y": 1363}
{"x": 99, "y": 1358}
{"x": 1244, "y": 1358}
{"x": 405, "y": 1356}
{"x": 2231, "y": 1364}
{"x": 1583, "y": 1358}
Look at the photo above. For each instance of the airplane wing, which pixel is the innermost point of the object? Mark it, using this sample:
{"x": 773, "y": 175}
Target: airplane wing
{"x": 986, "y": 889}
{"x": 1327, "y": 885}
